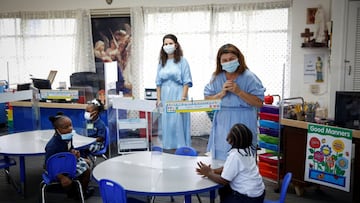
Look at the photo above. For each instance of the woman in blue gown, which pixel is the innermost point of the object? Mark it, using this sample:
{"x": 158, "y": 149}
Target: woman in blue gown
{"x": 173, "y": 81}
{"x": 241, "y": 93}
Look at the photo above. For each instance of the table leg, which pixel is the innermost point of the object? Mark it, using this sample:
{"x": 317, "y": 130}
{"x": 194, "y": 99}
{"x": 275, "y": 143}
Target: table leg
{"x": 212, "y": 196}
{"x": 187, "y": 198}
{"x": 22, "y": 175}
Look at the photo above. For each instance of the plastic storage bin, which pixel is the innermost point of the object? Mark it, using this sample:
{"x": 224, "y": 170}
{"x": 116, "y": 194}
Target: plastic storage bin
{"x": 270, "y": 109}
{"x": 269, "y": 116}
{"x": 269, "y": 139}
{"x": 269, "y": 124}
{"x": 265, "y": 145}
{"x": 269, "y": 131}
{"x": 269, "y": 158}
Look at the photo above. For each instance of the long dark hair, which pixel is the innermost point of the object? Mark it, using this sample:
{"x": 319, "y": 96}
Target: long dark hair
{"x": 230, "y": 48}
{"x": 177, "y": 54}
{"x": 240, "y": 137}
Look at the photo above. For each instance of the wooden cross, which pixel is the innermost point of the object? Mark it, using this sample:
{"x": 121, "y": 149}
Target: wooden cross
{"x": 307, "y": 34}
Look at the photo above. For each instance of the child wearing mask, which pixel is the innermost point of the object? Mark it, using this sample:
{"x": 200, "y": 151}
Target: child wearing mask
{"x": 61, "y": 141}
{"x": 94, "y": 126}
{"x": 240, "y": 173}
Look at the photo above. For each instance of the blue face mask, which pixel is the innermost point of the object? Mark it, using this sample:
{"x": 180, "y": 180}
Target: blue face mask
{"x": 169, "y": 49}
{"x": 67, "y": 136}
{"x": 230, "y": 66}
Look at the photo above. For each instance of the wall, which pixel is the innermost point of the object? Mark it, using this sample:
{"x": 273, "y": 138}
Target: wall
{"x": 297, "y": 53}
{"x": 298, "y": 19}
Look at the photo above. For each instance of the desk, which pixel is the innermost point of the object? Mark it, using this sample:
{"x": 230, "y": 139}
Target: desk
{"x": 32, "y": 143}
{"x": 148, "y": 174}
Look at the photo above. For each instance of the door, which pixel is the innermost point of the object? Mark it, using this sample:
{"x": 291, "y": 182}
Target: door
{"x": 352, "y": 58}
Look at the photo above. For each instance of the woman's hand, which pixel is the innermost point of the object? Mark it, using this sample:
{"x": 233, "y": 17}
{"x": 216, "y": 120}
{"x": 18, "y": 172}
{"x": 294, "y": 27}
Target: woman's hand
{"x": 203, "y": 169}
{"x": 231, "y": 86}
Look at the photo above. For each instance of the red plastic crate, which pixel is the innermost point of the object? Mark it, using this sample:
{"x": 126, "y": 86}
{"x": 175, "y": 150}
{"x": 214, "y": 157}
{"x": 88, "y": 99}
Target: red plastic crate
{"x": 268, "y": 174}
{"x": 269, "y": 158}
{"x": 268, "y": 167}
{"x": 269, "y": 116}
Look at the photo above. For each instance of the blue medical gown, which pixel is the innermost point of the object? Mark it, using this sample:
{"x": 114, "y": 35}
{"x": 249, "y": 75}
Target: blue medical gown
{"x": 175, "y": 127}
{"x": 233, "y": 110}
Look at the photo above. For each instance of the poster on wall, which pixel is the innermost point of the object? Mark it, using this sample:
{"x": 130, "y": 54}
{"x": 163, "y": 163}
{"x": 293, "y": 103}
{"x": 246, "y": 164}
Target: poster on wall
{"x": 328, "y": 156}
{"x": 112, "y": 43}
{"x": 313, "y": 68}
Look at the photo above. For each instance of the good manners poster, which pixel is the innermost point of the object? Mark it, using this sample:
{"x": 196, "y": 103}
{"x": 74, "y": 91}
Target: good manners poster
{"x": 328, "y": 156}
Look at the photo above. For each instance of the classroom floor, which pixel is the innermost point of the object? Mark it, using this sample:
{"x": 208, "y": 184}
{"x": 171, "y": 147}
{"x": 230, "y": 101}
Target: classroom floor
{"x": 8, "y": 194}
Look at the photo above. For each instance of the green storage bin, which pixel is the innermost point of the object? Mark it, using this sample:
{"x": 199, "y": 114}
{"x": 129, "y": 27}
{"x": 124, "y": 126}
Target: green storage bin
{"x": 269, "y": 139}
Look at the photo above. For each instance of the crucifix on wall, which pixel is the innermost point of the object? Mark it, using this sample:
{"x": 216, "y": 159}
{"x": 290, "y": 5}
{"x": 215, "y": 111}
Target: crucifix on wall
{"x": 307, "y": 35}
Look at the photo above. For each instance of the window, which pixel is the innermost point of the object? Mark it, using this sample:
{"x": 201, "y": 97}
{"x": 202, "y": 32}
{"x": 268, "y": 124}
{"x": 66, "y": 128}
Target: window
{"x": 260, "y": 31}
{"x": 33, "y": 44}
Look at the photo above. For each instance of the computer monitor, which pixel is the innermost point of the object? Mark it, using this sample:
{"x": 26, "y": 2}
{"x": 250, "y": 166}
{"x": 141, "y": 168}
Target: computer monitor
{"x": 41, "y": 83}
{"x": 347, "y": 109}
{"x": 24, "y": 86}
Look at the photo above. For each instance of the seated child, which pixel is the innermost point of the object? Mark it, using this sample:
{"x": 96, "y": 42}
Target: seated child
{"x": 95, "y": 127}
{"x": 240, "y": 173}
{"x": 61, "y": 141}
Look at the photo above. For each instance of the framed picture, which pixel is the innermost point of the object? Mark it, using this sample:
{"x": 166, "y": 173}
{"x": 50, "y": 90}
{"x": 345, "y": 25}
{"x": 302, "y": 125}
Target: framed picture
{"x": 112, "y": 43}
{"x": 310, "y": 15}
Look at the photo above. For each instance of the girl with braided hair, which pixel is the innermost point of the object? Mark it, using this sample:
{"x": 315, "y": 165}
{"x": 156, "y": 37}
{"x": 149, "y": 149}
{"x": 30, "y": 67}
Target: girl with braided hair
{"x": 240, "y": 173}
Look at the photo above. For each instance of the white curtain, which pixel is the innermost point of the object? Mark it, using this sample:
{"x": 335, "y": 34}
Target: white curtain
{"x": 33, "y": 43}
{"x": 259, "y": 30}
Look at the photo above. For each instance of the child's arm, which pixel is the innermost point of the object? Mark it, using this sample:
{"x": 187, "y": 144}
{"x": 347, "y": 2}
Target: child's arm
{"x": 212, "y": 174}
{"x": 218, "y": 170}
{"x": 100, "y": 139}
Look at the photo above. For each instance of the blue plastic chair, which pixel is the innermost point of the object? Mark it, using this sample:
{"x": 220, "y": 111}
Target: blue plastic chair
{"x": 113, "y": 192}
{"x": 102, "y": 152}
{"x": 283, "y": 192}
{"x": 187, "y": 151}
{"x": 156, "y": 148}
{"x": 60, "y": 163}
{"x": 5, "y": 164}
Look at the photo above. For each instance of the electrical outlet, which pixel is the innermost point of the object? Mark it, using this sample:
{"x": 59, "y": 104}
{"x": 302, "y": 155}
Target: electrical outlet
{"x": 315, "y": 89}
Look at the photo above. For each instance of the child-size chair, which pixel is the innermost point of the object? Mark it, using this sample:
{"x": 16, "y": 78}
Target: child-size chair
{"x": 60, "y": 163}
{"x": 283, "y": 191}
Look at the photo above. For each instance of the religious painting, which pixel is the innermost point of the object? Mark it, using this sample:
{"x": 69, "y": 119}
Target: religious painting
{"x": 310, "y": 15}
{"x": 112, "y": 43}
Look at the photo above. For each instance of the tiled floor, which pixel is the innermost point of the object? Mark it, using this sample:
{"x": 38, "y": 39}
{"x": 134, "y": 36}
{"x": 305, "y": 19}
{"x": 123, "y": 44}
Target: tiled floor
{"x": 34, "y": 169}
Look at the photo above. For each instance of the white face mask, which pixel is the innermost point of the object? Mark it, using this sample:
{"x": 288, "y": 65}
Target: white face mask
{"x": 169, "y": 49}
{"x": 87, "y": 116}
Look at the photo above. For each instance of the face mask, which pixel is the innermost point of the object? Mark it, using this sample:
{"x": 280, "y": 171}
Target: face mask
{"x": 169, "y": 49}
{"x": 87, "y": 116}
{"x": 67, "y": 136}
{"x": 230, "y": 66}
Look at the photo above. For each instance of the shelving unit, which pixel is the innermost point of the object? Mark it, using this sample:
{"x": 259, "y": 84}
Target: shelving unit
{"x": 269, "y": 140}
{"x": 128, "y": 143}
